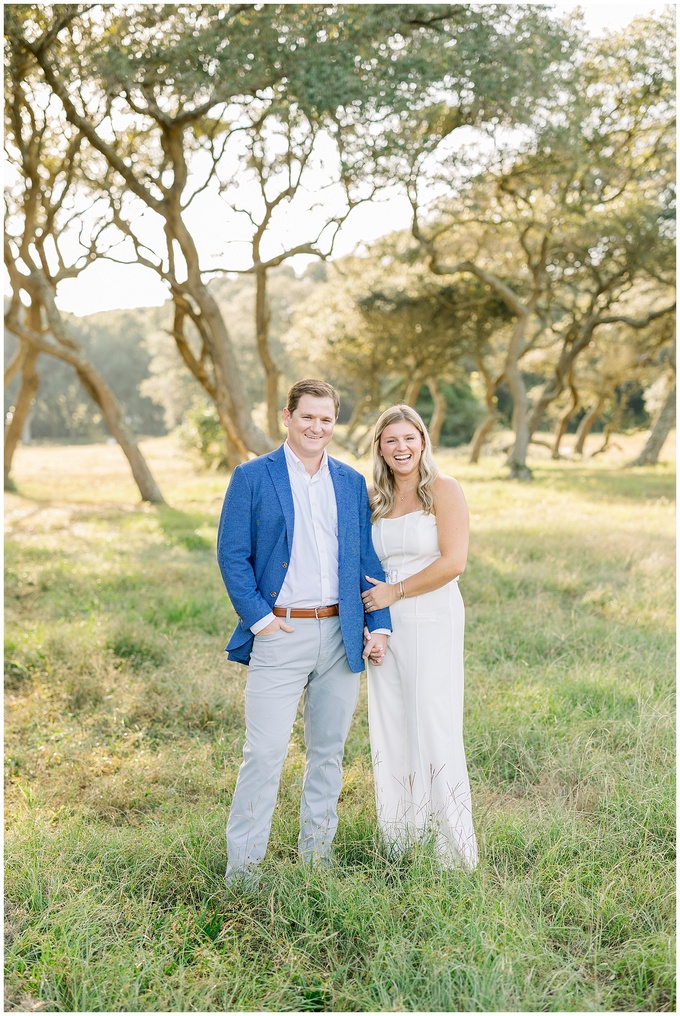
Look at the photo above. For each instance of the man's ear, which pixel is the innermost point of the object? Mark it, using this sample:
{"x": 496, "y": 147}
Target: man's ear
{"x": 286, "y": 416}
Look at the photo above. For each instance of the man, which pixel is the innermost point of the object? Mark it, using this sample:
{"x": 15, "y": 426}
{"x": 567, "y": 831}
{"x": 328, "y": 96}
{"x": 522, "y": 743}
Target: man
{"x": 294, "y": 548}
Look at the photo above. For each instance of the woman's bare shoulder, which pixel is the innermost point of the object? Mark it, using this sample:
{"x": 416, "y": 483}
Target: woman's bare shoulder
{"x": 446, "y": 490}
{"x": 445, "y": 484}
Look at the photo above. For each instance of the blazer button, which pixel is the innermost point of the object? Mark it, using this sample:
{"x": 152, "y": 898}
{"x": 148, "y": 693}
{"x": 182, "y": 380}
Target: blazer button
{"x": 284, "y": 564}
{"x": 273, "y": 594}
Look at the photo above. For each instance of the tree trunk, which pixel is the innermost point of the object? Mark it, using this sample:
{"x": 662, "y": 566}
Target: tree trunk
{"x": 229, "y": 391}
{"x": 439, "y": 413}
{"x": 27, "y": 432}
{"x": 230, "y": 395}
{"x": 664, "y": 422}
{"x": 359, "y": 407}
{"x": 586, "y": 425}
{"x": 551, "y": 390}
{"x": 365, "y": 442}
{"x": 481, "y": 434}
{"x": 517, "y": 458}
{"x": 489, "y": 421}
{"x": 272, "y": 373}
{"x": 15, "y": 364}
{"x": 67, "y": 348}
{"x": 30, "y": 379}
{"x": 412, "y": 392}
{"x": 607, "y": 433}
{"x": 516, "y": 348}
{"x": 563, "y": 422}
{"x": 95, "y": 385}
{"x": 574, "y": 344}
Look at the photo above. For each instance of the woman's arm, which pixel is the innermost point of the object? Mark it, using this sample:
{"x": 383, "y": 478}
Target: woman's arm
{"x": 453, "y": 531}
{"x": 370, "y": 564}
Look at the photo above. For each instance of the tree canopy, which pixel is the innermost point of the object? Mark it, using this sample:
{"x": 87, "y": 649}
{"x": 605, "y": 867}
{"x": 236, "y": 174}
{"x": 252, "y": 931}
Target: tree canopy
{"x": 539, "y": 163}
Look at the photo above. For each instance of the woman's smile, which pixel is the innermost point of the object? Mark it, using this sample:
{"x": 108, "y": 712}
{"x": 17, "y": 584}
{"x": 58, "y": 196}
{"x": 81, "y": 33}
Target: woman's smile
{"x": 401, "y": 446}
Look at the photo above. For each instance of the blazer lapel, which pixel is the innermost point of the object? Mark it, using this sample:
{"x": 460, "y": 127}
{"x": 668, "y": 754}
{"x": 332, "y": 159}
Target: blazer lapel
{"x": 278, "y": 470}
{"x": 339, "y": 478}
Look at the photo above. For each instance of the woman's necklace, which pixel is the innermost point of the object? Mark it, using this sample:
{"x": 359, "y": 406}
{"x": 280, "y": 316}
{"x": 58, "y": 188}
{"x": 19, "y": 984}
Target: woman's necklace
{"x": 402, "y": 497}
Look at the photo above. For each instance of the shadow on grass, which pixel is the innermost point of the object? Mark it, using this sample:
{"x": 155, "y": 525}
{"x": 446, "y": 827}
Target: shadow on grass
{"x": 180, "y": 528}
{"x": 605, "y": 485}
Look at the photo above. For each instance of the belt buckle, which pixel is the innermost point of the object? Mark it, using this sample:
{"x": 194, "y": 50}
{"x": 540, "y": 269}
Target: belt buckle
{"x": 316, "y": 613}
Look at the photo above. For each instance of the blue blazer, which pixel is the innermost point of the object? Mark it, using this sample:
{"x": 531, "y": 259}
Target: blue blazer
{"x": 255, "y": 539}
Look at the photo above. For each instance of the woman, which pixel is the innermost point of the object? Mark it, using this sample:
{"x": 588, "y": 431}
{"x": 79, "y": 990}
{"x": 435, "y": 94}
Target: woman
{"x": 415, "y": 699}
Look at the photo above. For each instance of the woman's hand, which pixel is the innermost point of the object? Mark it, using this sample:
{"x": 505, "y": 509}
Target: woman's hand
{"x": 382, "y": 595}
{"x": 375, "y": 647}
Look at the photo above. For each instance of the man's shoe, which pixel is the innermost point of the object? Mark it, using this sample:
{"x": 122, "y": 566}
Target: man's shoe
{"x": 242, "y": 878}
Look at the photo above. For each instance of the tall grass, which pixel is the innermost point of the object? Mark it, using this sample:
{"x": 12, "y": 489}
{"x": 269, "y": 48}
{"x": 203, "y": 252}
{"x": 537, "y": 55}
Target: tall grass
{"x": 124, "y": 727}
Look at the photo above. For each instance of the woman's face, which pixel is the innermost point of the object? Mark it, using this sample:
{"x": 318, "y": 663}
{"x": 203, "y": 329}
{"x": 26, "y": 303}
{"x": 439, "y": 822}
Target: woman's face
{"x": 401, "y": 445}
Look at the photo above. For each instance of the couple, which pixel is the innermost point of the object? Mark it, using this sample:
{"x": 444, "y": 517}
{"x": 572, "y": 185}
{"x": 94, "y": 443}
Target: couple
{"x": 312, "y": 582}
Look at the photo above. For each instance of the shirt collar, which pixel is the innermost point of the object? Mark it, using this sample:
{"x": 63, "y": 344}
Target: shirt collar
{"x": 295, "y": 463}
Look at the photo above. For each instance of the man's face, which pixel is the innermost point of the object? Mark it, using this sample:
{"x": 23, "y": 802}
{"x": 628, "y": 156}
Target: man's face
{"x": 310, "y": 426}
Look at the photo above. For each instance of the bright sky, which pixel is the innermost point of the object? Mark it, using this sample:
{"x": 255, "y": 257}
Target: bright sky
{"x": 107, "y": 286}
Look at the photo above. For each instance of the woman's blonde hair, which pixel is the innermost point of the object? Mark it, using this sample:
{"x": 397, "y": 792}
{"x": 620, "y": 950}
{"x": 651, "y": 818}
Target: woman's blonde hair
{"x": 382, "y": 498}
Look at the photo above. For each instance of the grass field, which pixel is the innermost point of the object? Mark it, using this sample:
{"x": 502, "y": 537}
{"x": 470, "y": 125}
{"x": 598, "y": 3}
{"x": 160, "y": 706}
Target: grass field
{"x": 124, "y": 728}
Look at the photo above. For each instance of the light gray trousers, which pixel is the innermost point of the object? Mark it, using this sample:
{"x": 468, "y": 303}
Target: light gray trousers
{"x": 283, "y": 665}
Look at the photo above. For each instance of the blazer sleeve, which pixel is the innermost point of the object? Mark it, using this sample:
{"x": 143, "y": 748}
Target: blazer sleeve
{"x": 236, "y": 553}
{"x": 370, "y": 564}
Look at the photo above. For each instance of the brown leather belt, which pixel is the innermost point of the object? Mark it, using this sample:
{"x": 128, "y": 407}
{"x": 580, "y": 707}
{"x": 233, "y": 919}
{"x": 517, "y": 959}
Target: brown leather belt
{"x": 317, "y": 612}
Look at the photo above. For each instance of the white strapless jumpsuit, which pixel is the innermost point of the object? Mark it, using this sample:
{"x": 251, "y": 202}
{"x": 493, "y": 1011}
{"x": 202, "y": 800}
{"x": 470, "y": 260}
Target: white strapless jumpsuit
{"x": 415, "y": 704}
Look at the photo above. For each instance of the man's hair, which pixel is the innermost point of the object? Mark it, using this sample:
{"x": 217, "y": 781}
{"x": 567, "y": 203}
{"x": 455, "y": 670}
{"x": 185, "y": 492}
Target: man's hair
{"x": 312, "y": 386}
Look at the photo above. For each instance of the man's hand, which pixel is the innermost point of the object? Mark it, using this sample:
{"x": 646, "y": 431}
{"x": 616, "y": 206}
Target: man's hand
{"x": 375, "y": 647}
{"x": 274, "y": 626}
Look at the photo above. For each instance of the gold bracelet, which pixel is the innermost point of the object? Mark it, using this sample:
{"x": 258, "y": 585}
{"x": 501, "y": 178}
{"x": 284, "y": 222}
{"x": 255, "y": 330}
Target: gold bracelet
{"x": 402, "y": 591}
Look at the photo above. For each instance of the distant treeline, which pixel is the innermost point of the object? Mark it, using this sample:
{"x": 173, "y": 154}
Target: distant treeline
{"x": 134, "y": 350}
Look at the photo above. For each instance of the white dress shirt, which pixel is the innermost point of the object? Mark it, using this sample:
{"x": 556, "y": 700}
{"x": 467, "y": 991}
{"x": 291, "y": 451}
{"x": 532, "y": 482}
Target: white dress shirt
{"x": 312, "y": 575}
